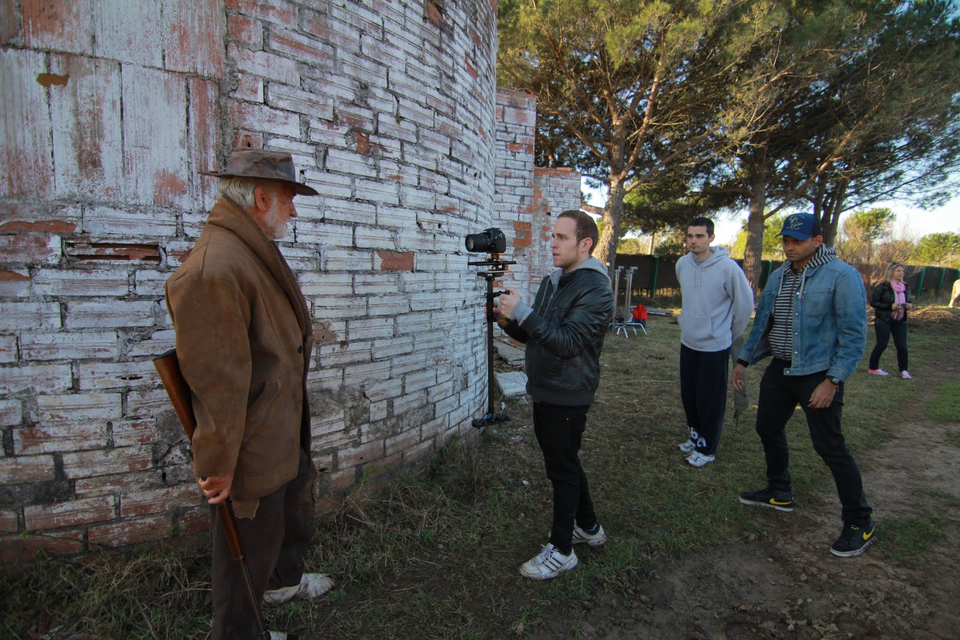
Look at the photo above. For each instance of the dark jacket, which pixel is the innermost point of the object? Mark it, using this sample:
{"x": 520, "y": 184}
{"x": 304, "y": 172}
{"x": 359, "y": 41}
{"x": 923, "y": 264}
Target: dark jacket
{"x": 563, "y": 333}
{"x": 243, "y": 341}
{"x": 882, "y": 300}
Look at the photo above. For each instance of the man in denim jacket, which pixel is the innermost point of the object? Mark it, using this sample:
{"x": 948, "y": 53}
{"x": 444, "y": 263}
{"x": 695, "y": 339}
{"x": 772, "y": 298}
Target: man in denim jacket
{"x": 812, "y": 319}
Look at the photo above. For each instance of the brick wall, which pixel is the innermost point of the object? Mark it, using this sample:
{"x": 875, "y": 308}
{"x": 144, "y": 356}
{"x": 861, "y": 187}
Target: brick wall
{"x": 110, "y": 109}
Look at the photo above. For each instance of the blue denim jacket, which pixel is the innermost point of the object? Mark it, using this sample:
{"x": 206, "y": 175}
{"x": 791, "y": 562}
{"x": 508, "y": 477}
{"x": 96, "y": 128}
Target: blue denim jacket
{"x": 829, "y": 321}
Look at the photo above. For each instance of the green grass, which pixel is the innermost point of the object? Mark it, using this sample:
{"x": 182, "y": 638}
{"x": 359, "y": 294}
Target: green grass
{"x": 946, "y": 406}
{"x": 437, "y": 551}
{"x": 909, "y": 540}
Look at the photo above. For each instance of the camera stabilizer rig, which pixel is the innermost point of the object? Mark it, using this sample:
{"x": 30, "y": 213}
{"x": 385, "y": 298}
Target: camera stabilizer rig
{"x": 490, "y": 241}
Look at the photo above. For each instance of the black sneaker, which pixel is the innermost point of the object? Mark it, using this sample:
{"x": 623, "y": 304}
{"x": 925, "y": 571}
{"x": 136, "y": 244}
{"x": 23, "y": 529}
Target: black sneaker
{"x": 779, "y": 500}
{"x": 854, "y": 540}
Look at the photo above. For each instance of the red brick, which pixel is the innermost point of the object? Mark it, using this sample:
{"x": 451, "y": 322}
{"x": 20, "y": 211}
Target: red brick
{"x": 88, "y": 464}
{"x": 69, "y": 514}
{"x": 193, "y": 39}
{"x": 30, "y": 249}
{"x": 131, "y": 531}
{"x": 522, "y": 242}
{"x": 394, "y": 261}
{"x": 194, "y": 521}
{"x": 143, "y": 503}
{"x": 54, "y": 24}
{"x": 8, "y": 21}
{"x": 435, "y": 11}
{"x": 19, "y": 548}
{"x": 470, "y": 68}
{"x": 44, "y": 226}
{"x": 105, "y": 252}
{"x": 8, "y": 521}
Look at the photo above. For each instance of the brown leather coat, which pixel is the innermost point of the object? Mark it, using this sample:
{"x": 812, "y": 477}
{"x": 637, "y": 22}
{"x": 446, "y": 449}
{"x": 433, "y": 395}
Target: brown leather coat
{"x": 243, "y": 341}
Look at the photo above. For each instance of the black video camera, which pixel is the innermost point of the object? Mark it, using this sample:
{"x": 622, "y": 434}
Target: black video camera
{"x": 489, "y": 241}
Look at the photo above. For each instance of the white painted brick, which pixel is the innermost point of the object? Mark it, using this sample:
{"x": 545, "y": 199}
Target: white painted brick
{"x": 248, "y": 115}
{"x": 326, "y": 284}
{"x": 159, "y": 342}
{"x": 327, "y": 308}
{"x": 128, "y": 433}
{"x": 355, "y": 212}
{"x": 393, "y": 306}
{"x": 347, "y": 260}
{"x": 377, "y": 191}
{"x": 11, "y": 412}
{"x": 344, "y": 353}
{"x": 76, "y": 407}
{"x": 89, "y": 160}
{"x": 302, "y": 48}
{"x": 75, "y": 436}
{"x": 350, "y": 162}
{"x": 89, "y": 464}
{"x": 301, "y": 258}
{"x": 105, "y": 222}
{"x": 249, "y": 88}
{"x": 388, "y": 348}
{"x": 409, "y": 402}
{"x": 412, "y": 323}
{"x": 330, "y": 185}
{"x": 369, "y": 328}
{"x": 418, "y": 198}
{"x": 26, "y": 125}
{"x": 43, "y": 378}
{"x": 379, "y": 410}
{"x": 116, "y": 375}
{"x": 407, "y": 363}
{"x": 146, "y": 403}
{"x": 419, "y": 380}
{"x": 150, "y": 283}
{"x": 81, "y": 282}
{"x": 324, "y": 234}
{"x": 82, "y": 315}
{"x": 366, "y": 373}
{"x": 8, "y": 349}
{"x": 69, "y": 346}
{"x": 264, "y": 64}
{"x": 373, "y": 238}
{"x": 154, "y": 136}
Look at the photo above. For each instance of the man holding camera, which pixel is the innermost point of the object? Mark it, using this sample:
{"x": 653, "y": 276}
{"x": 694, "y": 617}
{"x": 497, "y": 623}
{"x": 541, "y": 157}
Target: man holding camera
{"x": 563, "y": 333}
{"x": 812, "y": 318}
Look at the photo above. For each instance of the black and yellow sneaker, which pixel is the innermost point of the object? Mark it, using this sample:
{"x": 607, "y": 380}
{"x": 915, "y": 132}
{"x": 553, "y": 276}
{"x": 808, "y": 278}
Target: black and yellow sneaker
{"x": 854, "y": 540}
{"x": 779, "y": 500}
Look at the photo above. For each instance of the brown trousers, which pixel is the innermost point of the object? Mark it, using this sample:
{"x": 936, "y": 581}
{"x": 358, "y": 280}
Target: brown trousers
{"x": 275, "y": 542}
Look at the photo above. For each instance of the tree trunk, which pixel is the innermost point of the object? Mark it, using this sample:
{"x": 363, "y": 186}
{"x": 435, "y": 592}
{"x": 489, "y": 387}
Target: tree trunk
{"x": 612, "y": 216}
{"x": 753, "y": 251}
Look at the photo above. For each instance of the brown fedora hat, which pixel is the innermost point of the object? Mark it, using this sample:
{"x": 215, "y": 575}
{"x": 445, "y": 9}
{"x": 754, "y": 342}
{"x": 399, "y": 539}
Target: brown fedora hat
{"x": 276, "y": 166}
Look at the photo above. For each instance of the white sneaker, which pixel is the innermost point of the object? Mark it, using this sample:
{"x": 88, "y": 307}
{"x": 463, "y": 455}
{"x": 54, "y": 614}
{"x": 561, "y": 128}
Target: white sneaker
{"x": 697, "y": 459}
{"x": 312, "y": 585}
{"x": 906, "y": 375}
{"x": 593, "y": 539}
{"x": 878, "y": 372}
{"x": 688, "y": 447}
{"x": 549, "y": 563}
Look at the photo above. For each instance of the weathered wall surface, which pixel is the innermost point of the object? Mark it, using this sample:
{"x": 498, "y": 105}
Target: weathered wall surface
{"x": 110, "y": 108}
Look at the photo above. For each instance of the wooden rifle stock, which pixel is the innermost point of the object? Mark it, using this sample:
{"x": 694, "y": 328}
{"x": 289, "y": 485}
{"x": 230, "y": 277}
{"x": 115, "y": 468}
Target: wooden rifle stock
{"x": 168, "y": 368}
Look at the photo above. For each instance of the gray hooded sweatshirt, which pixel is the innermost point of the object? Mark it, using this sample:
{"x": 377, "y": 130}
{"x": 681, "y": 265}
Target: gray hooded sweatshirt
{"x": 717, "y": 301}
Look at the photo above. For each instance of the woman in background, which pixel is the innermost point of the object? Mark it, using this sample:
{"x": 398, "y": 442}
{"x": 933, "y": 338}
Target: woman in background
{"x": 890, "y": 301}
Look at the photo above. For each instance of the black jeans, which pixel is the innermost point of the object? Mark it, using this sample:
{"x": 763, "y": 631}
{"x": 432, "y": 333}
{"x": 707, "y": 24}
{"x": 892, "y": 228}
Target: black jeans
{"x": 559, "y": 430}
{"x": 275, "y": 542}
{"x": 703, "y": 392}
{"x": 779, "y": 397}
{"x": 886, "y": 328}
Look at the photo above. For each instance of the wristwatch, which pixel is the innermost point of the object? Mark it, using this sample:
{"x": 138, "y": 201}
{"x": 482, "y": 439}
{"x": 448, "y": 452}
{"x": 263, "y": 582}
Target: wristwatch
{"x": 835, "y": 380}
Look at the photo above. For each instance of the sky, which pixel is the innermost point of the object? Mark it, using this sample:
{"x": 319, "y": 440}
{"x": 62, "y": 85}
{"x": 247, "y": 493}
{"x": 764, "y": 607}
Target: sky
{"x": 911, "y": 223}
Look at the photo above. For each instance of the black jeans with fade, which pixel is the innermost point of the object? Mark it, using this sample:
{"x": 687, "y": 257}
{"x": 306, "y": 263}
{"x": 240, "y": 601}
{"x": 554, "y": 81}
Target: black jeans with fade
{"x": 559, "y": 430}
{"x": 779, "y": 396}
{"x": 885, "y": 329}
{"x": 275, "y": 543}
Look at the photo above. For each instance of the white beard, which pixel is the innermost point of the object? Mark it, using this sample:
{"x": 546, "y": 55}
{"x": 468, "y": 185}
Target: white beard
{"x": 275, "y": 229}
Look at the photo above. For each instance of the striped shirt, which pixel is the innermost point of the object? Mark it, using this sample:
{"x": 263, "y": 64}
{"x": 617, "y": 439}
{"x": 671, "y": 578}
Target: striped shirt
{"x": 791, "y": 285}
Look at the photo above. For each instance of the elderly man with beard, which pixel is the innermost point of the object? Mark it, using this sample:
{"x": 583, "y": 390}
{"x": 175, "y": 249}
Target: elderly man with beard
{"x": 243, "y": 341}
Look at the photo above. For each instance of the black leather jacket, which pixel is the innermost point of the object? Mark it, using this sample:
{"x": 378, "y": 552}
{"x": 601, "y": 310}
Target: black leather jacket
{"x": 564, "y": 335}
{"x": 882, "y": 300}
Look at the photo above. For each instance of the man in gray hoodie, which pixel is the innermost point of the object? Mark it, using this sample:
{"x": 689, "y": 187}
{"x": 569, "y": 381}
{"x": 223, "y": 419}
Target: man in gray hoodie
{"x": 717, "y": 303}
{"x": 563, "y": 332}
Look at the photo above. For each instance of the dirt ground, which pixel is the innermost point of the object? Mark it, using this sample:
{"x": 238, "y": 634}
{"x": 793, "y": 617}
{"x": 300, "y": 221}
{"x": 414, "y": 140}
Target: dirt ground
{"x": 785, "y": 583}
